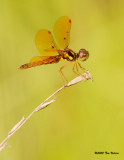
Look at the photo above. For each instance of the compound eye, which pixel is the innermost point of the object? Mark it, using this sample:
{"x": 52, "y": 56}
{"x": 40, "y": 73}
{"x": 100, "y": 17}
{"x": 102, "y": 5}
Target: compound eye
{"x": 83, "y": 54}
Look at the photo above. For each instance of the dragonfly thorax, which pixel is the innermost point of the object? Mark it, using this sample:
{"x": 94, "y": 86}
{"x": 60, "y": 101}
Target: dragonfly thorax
{"x": 68, "y": 55}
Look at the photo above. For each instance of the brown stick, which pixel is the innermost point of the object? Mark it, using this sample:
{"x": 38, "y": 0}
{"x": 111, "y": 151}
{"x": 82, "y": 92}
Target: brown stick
{"x": 44, "y": 104}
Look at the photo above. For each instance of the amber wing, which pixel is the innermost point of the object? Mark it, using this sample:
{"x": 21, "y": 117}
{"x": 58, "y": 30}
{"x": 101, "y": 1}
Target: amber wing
{"x": 62, "y": 31}
{"x": 45, "y": 43}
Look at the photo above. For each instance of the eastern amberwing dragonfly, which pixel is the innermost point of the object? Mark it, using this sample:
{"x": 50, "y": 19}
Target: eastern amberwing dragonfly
{"x": 52, "y": 54}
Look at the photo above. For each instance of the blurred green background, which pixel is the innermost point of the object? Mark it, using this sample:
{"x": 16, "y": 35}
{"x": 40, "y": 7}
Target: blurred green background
{"x": 87, "y": 117}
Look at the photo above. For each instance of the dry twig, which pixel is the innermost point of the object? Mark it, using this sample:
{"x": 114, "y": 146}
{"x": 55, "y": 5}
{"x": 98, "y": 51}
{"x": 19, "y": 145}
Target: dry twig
{"x": 41, "y": 106}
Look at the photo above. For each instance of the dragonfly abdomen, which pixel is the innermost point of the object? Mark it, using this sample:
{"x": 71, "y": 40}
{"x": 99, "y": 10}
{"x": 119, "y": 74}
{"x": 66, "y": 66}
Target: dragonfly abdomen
{"x": 49, "y": 60}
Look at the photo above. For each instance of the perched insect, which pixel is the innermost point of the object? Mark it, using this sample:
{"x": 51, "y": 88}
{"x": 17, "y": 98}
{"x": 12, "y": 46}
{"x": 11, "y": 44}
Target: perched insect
{"x": 52, "y": 54}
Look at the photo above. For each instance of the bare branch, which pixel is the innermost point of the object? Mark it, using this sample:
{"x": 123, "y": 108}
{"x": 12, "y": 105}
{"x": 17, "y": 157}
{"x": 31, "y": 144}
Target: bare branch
{"x": 85, "y": 76}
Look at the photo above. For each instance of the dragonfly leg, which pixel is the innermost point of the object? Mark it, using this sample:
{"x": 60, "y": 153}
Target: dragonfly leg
{"x": 77, "y": 71}
{"x": 62, "y": 75}
{"x": 83, "y": 69}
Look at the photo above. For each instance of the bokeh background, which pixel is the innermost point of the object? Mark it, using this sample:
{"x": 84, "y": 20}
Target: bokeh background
{"x": 87, "y": 117}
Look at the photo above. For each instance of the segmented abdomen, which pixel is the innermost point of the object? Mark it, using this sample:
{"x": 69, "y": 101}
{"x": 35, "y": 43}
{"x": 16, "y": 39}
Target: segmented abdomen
{"x": 49, "y": 60}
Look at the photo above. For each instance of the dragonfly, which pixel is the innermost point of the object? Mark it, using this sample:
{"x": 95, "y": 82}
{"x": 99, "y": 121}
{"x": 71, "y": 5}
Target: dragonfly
{"x": 54, "y": 53}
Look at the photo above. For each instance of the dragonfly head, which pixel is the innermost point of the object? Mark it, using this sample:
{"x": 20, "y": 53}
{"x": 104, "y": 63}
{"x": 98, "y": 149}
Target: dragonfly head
{"x": 83, "y": 54}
